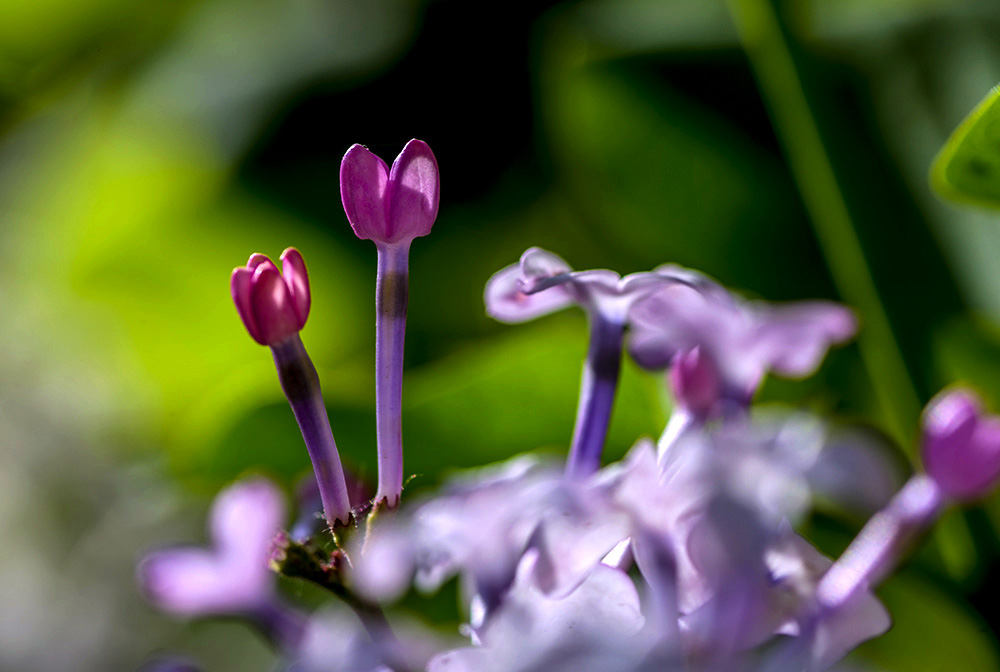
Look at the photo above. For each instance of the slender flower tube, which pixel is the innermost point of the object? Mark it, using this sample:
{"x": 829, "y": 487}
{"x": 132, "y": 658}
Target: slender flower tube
{"x": 961, "y": 451}
{"x": 390, "y": 207}
{"x": 274, "y": 307}
{"x": 541, "y": 283}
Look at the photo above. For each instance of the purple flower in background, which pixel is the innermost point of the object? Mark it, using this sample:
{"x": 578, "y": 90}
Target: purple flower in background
{"x": 961, "y": 445}
{"x": 274, "y": 308}
{"x": 598, "y": 627}
{"x": 390, "y": 207}
{"x": 232, "y": 576}
{"x": 737, "y": 342}
{"x": 541, "y": 283}
{"x": 480, "y": 527}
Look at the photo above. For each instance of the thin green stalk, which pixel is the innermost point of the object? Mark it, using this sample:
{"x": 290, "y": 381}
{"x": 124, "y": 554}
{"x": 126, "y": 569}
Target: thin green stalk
{"x": 767, "y": 47}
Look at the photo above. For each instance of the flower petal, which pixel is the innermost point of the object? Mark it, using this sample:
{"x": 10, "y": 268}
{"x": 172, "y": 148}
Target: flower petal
{"x": 541, "y": 269}
{"x": 507, "y": 303}
{"x": 239, "y": 286}
{"x": 414, "y": 191}
{"x": 271, "y": 303}
{"x": 364, "y": 187}
{"x": 293, "y": 268}
{"x": 961, "y": 446}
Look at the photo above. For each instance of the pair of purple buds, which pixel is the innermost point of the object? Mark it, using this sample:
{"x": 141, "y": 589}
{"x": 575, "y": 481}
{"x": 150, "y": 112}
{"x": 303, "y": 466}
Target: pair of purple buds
{"x": 391, "y": 207}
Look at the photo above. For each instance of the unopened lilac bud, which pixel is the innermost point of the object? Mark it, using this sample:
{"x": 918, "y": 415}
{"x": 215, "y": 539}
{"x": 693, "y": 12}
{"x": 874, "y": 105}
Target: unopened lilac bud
{"x": 961, "y": 445}
{"x": 695, "y": 382}
{"x": 272, "y": 305}
{"x": 390, "y": 205}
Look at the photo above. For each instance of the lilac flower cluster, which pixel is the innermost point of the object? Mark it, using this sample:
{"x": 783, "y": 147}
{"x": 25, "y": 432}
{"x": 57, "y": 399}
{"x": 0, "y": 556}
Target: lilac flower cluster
{"x": 682, "y": 556}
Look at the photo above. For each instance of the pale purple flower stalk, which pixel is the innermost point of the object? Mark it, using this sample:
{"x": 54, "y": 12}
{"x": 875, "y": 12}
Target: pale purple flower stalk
{"x": 541, "y": 283}
{"x": 598, "y": 385}
{"x": 390, "y": 207}
{"x": 961, "y": 454}
{"x": 274, "y": 308}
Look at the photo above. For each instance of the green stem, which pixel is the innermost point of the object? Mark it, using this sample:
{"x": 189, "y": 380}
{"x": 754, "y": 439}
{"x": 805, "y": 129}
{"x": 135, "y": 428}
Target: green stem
{"x": 766, "y": 44}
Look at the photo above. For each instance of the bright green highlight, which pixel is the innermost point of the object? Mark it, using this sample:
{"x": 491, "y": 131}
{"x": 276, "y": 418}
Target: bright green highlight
{"x": 968, "y": 168}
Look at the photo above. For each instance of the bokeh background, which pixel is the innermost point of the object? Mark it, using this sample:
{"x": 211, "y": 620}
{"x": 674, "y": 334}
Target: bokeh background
{"x": 147, "y": 148}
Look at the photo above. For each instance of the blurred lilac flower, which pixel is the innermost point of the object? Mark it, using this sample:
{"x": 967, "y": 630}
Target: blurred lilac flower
{"x": 274, "y": 308}
{"x": 541, "y": 283}
{"x": 598, "y": 626}
{"x": 961, "y": 445}
{"x": 232, "y": 577}
{"x": 391, "y": 208}
{"x": 737, "y": 342}
{"x": 480, "y": 528}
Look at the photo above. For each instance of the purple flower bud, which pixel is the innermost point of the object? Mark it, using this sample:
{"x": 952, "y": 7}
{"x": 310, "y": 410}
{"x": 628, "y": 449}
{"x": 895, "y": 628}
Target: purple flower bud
{"x": 389, "y": 206}
{"x": 273, "y": 306}
{"x": 232, "y": 577}
{"x": 695, "y": 383}
{"x": 961, "y": 445}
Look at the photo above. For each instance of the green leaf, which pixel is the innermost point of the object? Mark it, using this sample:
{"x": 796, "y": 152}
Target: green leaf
{"x": 968, "y": 168}
{"x": 931, "y": 631}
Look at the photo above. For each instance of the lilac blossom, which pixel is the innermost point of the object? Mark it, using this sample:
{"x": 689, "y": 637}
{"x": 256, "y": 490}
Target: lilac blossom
{"x": 480, "y": 528}
{"x": 721, "y": 346}
{"x": 232, "y": 576}
{"x": 598, "y": 626}
{"x": 541, "y": 283}
{"x": 274, "y": 307}
{"x": 390, "y": 207}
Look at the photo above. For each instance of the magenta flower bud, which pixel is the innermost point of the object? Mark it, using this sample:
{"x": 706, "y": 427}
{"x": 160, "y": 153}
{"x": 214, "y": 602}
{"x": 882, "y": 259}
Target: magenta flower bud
{"x": 961, "y": 445}
{"x": 390, "y": 206}
{"x": 695, "y": 382}
{"x": 272, "y": 305}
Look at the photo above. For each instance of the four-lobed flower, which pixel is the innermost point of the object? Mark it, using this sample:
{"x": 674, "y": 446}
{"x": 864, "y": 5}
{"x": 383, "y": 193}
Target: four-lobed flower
{"x": 390, "y": 207}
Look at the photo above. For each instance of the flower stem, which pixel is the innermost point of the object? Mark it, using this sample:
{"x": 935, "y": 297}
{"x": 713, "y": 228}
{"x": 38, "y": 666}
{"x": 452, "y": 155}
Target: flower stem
{"x": 300, "y": 383}
{"x": 880, "y": 545}
{"x": 597, "y": 395}
{"x": 391, "y": 295}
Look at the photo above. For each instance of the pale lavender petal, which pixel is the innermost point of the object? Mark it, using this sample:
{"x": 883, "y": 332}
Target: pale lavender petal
{"x": 414, "y": 192}
{"x": 507, "y": 303}
{"x": 233, "y": 577}
{"x": 792, "y": 339}
{"x": 239, "y": 287}
{"x": 961, "y": 445}
{"x": 364, "y": 187}
{"x": 540, "y": 269}
{"x": 244, "y": 519}
{"x": 597, "y": 627}
{"x": 273, "y": 312}
{"x": 192, "y": 582}
{"x": 293, "y": 268}
{"x": 385, "y": 567}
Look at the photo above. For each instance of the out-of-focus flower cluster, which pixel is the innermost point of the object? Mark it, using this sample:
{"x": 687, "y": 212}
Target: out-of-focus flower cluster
{"x": 682, "y": 556}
